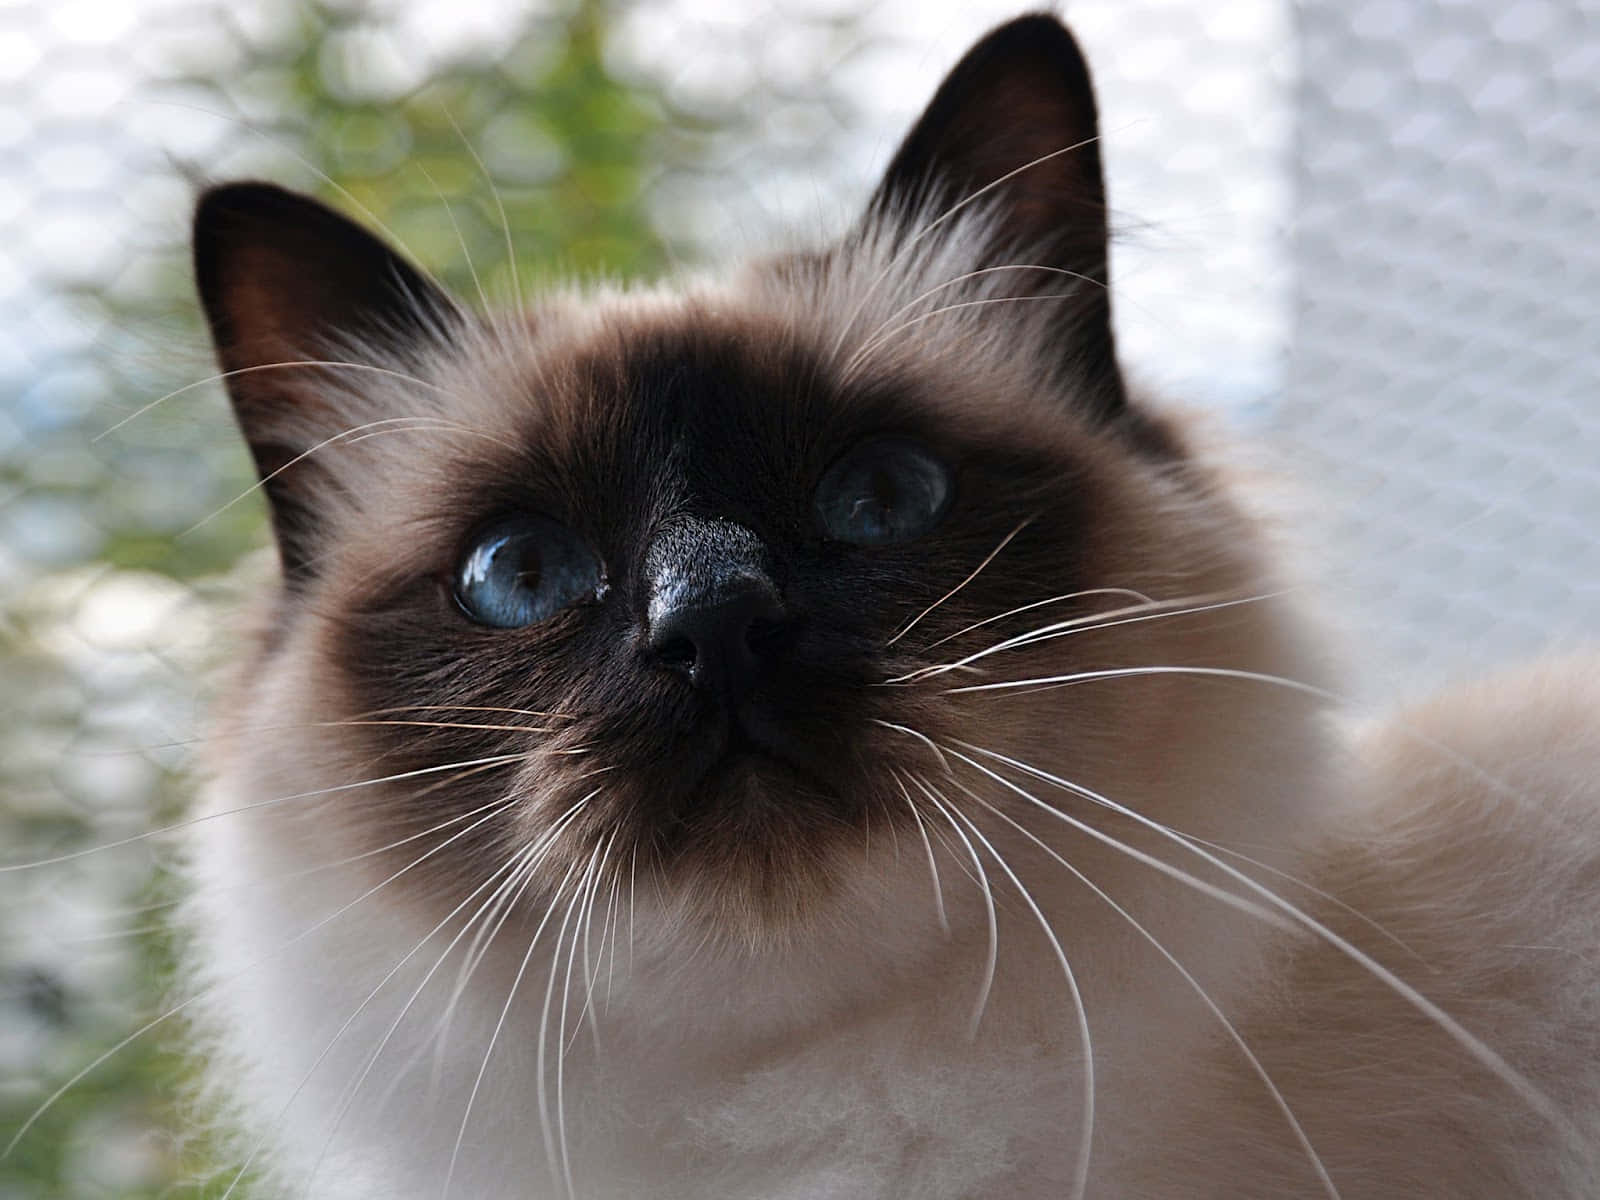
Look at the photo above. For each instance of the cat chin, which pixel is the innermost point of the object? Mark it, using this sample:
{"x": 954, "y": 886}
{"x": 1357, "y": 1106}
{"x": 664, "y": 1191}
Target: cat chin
{"x": 686, "y": 1044}
{"x": 692, "y": 1003}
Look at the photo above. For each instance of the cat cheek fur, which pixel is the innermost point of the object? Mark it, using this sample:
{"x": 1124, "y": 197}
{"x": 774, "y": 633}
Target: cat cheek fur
{"x": 525, "y": 912}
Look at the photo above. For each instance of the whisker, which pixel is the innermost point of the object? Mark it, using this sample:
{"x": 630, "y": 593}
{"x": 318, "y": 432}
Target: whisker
{"x": 1443, "y": 749}
{"x": 503, "y": 906}
{"x": 589, "y": 972}
{"x": 905, "y": 248}
{"x": 1376, "y": 926}
{"x": 926, "y": 741}
{"x": 585, "y": 911}
{"x": 1092, "y": 623}
{"x": 989, "y": 558}
{"x": 993, "y": 957}
{"x": 492, "y": 760}
{"x": 1486, "y": 1056}
{"x": 633, "y": 865}
{"x": 500, "y": 208}
{"x": 283, "y": 147}
{"x": 1308, "y": 689}
{"x": 933, "y": 866}
{"x": 303, "y": 872}
{"x": 873, "y": 340}
{"x": 351, "y": 436}
{"x": 183, "y": 1005}
{"x": 554, "y": 1155}
{"x": 513, "y": 871}
{"x": 1200, "y": 885}
{"x": 1012, "y": 612}
{"x": 483, "y": 1067}
{"x": 1205, "y": 997}
{"x": 610, "y": 928}
{"x": 223, "y": 376}
{"x": 256, "y": 730}
{"x": 461, "y": 241}
{"x": 283, "y": 1113}
{"x": 1086, "y": 1144}
{"x": 484, "y": 708}
{"x": 861, "y": 357}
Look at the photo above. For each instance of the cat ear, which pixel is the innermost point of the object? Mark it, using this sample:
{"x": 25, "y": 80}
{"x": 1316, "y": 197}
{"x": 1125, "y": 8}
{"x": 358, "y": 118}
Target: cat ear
{"x": 285, "y": 280}
{"x": 1013, "y": 128}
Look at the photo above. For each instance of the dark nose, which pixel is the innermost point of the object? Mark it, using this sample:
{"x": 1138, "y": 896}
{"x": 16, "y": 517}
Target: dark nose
{"x": 714, "y": 612}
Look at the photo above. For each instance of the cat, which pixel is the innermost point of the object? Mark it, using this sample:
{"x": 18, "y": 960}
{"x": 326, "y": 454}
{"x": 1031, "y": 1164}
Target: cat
{"x": 823, "y": 733}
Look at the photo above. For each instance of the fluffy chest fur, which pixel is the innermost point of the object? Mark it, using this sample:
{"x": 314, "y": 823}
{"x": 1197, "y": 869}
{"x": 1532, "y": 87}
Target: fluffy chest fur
{"x": 821, "y": 734}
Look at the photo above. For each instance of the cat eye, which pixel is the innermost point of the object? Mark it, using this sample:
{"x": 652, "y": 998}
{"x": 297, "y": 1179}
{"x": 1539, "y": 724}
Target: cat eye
{"x": 525, "y": 569}
{"x": 884, "y": 491}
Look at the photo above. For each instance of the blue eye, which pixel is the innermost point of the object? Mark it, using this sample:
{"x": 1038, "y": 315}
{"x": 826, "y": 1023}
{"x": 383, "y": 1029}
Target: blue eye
{"x": 524, "y": 569}
{"x": 884, "y": 491}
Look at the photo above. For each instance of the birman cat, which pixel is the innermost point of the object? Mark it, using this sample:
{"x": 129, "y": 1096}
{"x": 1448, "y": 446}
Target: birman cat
{"x": 822, "y": 733}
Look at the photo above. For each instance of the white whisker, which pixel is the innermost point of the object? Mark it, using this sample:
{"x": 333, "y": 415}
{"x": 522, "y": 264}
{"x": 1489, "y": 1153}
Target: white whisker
{"x": 993, "y": 957}
{"x": 1022, "y": 608}
{"x": 1492, "y": 1061}
{"x": 461, "y": 241}
{"x": 354, "y": 1016}
{"x": 348, "y": 437}
{"x": 1205, "y": 997}
{"x": 862, "y": 356}
{"x": 1090, "y": 624}
{"x": 179, "y": 826}
{"x": 910, "y": 243}
{"x": 1320, "y": 893}
{"x": 580, "y": 939}
{"x": 878, "y": 336}
{"x": 56, "y": 1095}
{"x": 926, "y": 741}
{"x": 504, "y": 906}
{"x": 1086, "y": 1143}
{"x": 554, "y": 1155}
{"x": 989, "y": 558}
{"x": 933, "y": 865}
{"x": 513, "y": 870}
{"x": 494, "y": 1037}
{"x": 499, "y": 205}
{"x": 223, "y": 376}
{"x": 1264, "y": 915}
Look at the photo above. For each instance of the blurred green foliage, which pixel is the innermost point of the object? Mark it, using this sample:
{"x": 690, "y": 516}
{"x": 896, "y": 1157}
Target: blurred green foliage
{"x": 573, "y": 151}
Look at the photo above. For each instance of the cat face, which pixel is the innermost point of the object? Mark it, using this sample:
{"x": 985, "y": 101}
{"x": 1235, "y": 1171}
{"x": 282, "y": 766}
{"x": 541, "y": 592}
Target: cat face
{"x": 726, "y": 588}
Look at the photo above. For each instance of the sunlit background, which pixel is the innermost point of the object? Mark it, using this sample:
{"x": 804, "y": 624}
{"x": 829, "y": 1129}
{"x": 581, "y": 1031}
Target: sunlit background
{"x": 1364, "y": 237}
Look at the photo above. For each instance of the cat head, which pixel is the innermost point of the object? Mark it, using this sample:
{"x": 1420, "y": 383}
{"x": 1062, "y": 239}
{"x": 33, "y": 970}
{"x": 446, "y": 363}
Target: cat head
{"x": 730, "y": 588}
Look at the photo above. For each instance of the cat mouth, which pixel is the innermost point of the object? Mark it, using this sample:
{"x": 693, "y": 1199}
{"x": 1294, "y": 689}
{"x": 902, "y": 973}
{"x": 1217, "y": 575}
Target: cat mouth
{"x": 753, "y": 756}
{"x": 744, "y": 753}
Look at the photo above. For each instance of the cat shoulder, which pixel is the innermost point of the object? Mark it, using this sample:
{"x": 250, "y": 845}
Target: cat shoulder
{"x": 1504, "y": 765}
{"x": 1438, "y": 1032}
{"x": 1473, "y": 829}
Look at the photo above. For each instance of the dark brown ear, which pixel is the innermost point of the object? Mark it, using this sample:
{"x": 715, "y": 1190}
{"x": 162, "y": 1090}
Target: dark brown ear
{"x": 284, "y": 280}
{"x": 1013, "y": 128}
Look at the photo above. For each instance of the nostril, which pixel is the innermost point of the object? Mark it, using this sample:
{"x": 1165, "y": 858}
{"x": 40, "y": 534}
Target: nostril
{"x": 725, "y": 646}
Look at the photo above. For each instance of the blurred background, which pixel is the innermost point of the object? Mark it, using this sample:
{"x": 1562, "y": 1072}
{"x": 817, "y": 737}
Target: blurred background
{"x": 1361, "y": 235}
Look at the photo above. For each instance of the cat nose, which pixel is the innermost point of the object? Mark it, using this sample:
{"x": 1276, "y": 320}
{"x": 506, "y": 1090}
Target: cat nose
{"x": 714, "y": 612}
{"x": 721, "y": 647}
